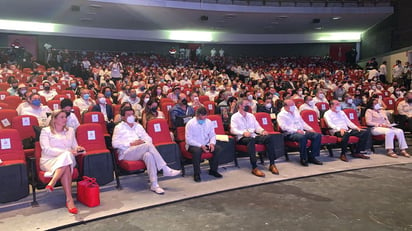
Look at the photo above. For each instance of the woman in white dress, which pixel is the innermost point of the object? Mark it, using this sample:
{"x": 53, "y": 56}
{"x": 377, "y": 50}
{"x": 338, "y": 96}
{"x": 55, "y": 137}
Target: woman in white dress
{"x": 376, "y": 118}
{"x": 59, "y": 148}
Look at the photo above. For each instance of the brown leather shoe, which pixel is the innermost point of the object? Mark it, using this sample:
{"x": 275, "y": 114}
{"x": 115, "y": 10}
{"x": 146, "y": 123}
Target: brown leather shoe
{"x": 358, "y": 155}
{"x": 257, "y": 172}
{"x": 343, "y": 158}
{"x": 273, "y": 169}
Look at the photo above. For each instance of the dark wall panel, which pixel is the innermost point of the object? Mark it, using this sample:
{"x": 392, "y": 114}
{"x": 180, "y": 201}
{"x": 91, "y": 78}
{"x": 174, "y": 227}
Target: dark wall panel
{"x": 393, "y": 33}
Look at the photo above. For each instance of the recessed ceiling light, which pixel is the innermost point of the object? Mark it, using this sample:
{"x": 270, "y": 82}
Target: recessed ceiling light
{"x": 336, "y": 18}
{"x": 318, "y": 28}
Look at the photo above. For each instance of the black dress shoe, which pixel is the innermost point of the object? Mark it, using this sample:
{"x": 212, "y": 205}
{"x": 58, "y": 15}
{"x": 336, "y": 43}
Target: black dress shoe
{"x": 215, "y": 174}
{"x": 196, "y": 177}
{"x": 315, "y": 161}
{"x": 304, "y": 162}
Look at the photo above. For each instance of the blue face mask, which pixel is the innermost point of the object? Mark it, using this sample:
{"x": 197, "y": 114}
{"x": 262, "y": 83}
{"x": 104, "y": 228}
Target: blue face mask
{"x": 86, "y": 96}
{"x": 107, "y": 94}
{"x": 201, "y": 121}
{"x": 73, "y": 85}
{"x": 36, "y": 102}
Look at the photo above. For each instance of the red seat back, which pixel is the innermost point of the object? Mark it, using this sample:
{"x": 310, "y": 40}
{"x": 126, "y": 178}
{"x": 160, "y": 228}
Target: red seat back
{"x": 210, "y": 107}
{"x": 322, "y": 106}
{"x": 390, "y": 103}
{"x": 395, "y": 110}
{"x": 4, "y": 105}
{"x": 91, "y": 137}
{"x": 298, "y": 102}
{"x": 34, "y": 89}
{"x": 69, "y": 94}
{"x": 116, "y": 109}
{"x": 203, "y": 99}
{"x": 264, "y": 121}
{"x": 13, "y": 101}
{"x": 3, "y": 95}
{"x": 311, "y": 118}
{"x": 218, "y": 124}
{"x": 158, "y": 129}
{"x": 4, "y": 86}
{"x": 77, "y": 113}
{"x": 95, "y": 117}
{"x": 24, "y": 125}
{"x": 6, "y": 117}
{"x": 53, "y": 104}
{"x": 164, "y": 100}
{"x": 352, "y": 116}
{"x": 11, "y": 147}
{"x": 61, "y": 97}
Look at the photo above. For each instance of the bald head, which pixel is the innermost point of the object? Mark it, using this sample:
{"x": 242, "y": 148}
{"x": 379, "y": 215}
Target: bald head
{"x": 289, "y": 105}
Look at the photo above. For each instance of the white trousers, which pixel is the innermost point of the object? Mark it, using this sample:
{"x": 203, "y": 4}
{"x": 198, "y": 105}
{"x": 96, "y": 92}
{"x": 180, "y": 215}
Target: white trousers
{"x": 390, "y": 133}
{"x": 150, "y": 156}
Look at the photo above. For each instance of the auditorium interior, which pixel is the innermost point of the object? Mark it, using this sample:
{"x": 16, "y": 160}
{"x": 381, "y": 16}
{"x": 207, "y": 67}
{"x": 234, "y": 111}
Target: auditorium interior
{"x": 302, "y": 68}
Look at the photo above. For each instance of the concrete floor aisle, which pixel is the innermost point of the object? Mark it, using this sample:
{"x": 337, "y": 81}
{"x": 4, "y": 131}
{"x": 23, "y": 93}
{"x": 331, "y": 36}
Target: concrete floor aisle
{"x": 367, "y": 199}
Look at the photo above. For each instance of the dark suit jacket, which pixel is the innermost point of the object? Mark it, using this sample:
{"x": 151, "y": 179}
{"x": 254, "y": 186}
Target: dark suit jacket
{"x": 109, "y": 110}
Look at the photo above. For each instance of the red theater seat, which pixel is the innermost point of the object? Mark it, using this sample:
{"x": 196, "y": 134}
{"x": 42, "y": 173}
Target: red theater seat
{"x": 13, "y": 169}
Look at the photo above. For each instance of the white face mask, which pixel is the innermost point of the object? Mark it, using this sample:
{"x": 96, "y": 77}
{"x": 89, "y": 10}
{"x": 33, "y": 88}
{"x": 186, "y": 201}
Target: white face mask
{"x": 377, "y": 107}
{"x": 130, "y": 119}
{"x": 249, "y": 97}
{"x": 196, "y": 98}
{"x": 311, "y": 103}
{"x": 102, "y": 100}
{"x": 292, "y": 108}
{"x": 146, "y": 100}
{"x": 338, "y": 108}
{"x": 350, "y": 101}
{"x": 299, "y": 92}
{"x": 268, "y": 105}
{"x": 321, "y": 96}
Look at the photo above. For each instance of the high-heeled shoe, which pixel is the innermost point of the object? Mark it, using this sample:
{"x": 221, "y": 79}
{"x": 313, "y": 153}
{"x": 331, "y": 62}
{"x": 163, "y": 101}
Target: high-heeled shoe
{"x": 49, "y": 188}
{"x": 73, "y": 210}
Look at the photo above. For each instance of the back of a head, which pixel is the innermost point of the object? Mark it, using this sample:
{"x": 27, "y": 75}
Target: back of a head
{"x": 201, "y": 111}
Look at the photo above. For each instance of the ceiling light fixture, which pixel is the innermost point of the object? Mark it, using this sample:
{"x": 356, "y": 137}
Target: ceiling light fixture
{"x": 337, "y": 18}
{"x": 196, "y": 36}
{"x": 27, "y": 26}
{"x": 339, "y": 36}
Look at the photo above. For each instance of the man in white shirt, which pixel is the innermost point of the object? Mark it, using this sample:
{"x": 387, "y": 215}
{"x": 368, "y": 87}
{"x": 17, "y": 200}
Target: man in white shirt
{"x": 212, "y": 93}
{"x": 383, "y": 72}
{"x": 296, "y": 129}
{"x": 397, "y": 72}
{"x": 84, "y": 102}
{"x": 248, "y": 132}
{"x": 133, "y": 143}
{"x": 36, "y": 109}
{"x": 309, "y": 105}
{"x": 341, "y": 126}
{"x": 201, "y": 137}
{"x": 47, "y": 92}
{"x": 320, "y": 97}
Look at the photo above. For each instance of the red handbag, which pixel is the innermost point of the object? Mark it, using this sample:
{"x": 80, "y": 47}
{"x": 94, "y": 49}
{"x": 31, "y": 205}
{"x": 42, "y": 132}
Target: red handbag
{"x": 88, "y": 192}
